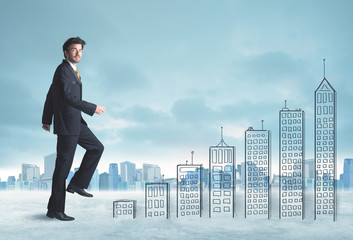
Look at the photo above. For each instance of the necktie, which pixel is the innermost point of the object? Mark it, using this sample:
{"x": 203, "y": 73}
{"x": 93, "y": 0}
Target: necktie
{"x": 78, "y": 75}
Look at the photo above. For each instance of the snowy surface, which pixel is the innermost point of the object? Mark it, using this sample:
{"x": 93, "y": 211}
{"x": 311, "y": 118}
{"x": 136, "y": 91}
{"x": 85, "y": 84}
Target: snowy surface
{"x": 23, "y": 217}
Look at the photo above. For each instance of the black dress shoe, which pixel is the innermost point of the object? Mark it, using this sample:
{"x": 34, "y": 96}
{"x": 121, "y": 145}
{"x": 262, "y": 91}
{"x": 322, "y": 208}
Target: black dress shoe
{"x": 60, "y": 216}
{"x": 73, "y": 189}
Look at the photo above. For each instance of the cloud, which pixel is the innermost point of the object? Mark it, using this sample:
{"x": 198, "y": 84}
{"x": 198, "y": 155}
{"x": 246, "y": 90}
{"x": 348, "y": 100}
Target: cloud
{"x": 114, "y": 78}
{"x": 193, "y": 111}
{"x": 274, "y": 66}
{"x": 19, "y": 107}
{"x": 145, "y": 115}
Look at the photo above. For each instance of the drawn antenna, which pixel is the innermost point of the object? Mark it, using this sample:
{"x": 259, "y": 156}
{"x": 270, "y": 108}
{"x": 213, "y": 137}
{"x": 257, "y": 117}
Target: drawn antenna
{"x": 222, "y": 134}
{"x": 285, "y": 105}
{"x": 262, "y": 122}
{"x": 192, "y": 157}
{"x": 324, "y": 68}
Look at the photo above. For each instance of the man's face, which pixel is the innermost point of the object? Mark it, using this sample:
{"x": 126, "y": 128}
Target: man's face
{"x": 74, "y": 53}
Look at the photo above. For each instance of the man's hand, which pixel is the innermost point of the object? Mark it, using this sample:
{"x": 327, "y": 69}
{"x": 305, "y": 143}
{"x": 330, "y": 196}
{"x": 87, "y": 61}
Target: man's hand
{"x": 46, "y": 127}
{"x": 100, "y": 110}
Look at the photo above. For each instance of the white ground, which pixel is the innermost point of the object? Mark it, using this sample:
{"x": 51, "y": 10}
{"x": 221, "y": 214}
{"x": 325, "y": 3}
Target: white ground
{"x": 23, "y": 217}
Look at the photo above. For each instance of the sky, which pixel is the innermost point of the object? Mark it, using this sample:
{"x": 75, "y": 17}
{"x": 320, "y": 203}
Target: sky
{"x": 172, "y": 73}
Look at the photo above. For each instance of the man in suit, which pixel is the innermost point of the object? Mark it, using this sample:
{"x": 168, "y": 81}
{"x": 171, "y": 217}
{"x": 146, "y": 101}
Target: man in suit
{"x": 64, "y": 102}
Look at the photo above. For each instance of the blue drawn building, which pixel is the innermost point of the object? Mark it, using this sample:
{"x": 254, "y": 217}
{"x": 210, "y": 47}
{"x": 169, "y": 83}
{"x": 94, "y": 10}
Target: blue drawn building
{"x": 325, "y": 150}
{"x": 124, "y": 209}
{"x": 291, "y": 157}
{"x": 157, "y": 197}
{"x": 189, "y": 190}
{"x": 257, "y": 172}
{"x": 221, "y": 180}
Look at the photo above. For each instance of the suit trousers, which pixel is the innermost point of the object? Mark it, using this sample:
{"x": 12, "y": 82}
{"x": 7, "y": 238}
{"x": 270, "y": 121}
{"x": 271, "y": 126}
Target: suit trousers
{"x": 66, "y": 146}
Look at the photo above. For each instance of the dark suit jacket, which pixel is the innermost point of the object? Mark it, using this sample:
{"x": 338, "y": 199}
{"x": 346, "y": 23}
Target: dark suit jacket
{"x": 64, "y": 102}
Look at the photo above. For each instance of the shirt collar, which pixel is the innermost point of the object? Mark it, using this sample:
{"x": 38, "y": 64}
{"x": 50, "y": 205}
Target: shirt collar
{"x": 73, "y": 66}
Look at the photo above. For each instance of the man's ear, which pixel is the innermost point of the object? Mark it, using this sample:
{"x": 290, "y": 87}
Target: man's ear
{"x": 66, "y": 54}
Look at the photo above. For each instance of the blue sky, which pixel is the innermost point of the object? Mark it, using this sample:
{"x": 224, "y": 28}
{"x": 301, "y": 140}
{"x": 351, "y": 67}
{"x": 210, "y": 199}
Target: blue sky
{"x": 171, "y": 73}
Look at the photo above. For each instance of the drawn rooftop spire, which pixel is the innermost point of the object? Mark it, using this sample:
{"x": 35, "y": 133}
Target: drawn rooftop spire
{"x": 325, "y": 86}
{"x": 222, "y": 143}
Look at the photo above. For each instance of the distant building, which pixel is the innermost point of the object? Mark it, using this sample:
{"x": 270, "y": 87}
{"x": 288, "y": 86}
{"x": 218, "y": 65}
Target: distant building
{"x": 113, "y": 177}
{"x": 3, "y": 186}
{"x": 69, "y": 177}
{"x": 325, "y": 150}
{"x": 172, "y": 182}
{"x": 139, "y": 184}
{"x": 348, "y": 174}
{"x": 238, "y": 176}
{"x": 49, "y": 166}
{"x": 94, "y": 183}
{"x": 275, "y": 181}
{"x": 128, "y": 172}
{"x": 151, "y": 173}
{"x": 30, "y": 171}
{"x": 242, "y": 175}
{"x": 139, "y": 175}
{"x": 11, "y": 181}
{"x": 104, "y": 182}
{"x": 205, "y": 172}
{"x": 309, "y": 174}
{"x": 309, "y": 168}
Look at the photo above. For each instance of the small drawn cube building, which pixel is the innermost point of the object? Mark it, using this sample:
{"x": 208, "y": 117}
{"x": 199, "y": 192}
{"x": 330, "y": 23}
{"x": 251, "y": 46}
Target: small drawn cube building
{"x": 124, "y": 209}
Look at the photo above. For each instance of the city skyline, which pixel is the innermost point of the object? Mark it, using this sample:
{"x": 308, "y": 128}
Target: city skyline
{"x": 157, "y": 176}
{"x": 171, "y": 73}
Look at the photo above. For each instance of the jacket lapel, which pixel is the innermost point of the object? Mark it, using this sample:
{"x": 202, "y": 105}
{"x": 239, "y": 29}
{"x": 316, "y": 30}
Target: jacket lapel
{"x": 73, "y": 72}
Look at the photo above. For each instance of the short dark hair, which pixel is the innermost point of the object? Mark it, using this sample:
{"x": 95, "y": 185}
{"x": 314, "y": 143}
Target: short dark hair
{"x": 70, "y": 41}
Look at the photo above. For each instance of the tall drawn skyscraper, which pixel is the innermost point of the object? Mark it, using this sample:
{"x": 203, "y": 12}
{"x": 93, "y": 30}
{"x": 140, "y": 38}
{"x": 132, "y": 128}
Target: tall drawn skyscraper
{"x": 325, "y": 150}
{"x": 291, "y": 157}
{"x": 189, "y": 190}
{"x": 221, "y": 180}
{"x": 257, "y": 173}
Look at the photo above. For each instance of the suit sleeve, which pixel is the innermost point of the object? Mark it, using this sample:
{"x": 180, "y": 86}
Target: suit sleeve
{"x": 74, "y": 99}
{"x": 48, "y": 110}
